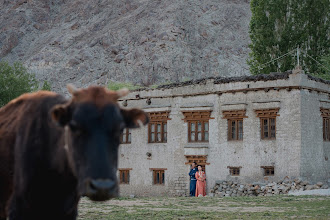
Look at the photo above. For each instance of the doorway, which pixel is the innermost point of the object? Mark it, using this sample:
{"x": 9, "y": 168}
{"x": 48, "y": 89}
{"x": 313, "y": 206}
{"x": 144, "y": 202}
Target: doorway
{"x": 199, "y": 159}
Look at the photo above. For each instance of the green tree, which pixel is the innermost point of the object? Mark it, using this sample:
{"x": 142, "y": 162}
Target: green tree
{"x": 14, "y": 81}
{"x": 278, "y": 27}
{"x": 325, "y": 66}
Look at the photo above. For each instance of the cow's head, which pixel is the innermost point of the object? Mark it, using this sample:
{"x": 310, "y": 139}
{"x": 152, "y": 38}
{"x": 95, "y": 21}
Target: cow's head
{"x": 93, "y": 122}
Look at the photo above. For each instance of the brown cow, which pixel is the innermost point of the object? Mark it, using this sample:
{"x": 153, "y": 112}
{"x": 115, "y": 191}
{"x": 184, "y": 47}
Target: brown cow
{"x": 53, "y": 151}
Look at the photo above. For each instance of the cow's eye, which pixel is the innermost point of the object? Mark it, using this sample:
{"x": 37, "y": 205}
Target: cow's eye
{"x": 74, "y": 126}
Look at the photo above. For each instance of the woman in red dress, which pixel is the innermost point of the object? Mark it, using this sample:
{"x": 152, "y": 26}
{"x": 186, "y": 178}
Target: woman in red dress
{"x": 201, "y": 182}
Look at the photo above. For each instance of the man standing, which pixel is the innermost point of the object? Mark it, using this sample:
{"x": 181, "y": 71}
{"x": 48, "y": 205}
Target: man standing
{"x": 193, "y": 179}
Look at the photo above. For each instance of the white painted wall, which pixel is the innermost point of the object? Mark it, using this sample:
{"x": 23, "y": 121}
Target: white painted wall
{"x": 298, "y": 150}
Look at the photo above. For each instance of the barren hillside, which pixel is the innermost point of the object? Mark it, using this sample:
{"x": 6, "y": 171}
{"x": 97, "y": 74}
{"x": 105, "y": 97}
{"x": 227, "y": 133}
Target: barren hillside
{"x": 139, "y": 41}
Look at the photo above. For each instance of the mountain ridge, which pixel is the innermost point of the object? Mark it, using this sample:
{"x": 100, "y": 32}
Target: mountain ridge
{"x": 143, "y": 42}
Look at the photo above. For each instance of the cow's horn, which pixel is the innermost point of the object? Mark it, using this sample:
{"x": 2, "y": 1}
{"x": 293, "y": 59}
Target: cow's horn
{"x": 72, "y": 89}
{"x": 122, "y": 92}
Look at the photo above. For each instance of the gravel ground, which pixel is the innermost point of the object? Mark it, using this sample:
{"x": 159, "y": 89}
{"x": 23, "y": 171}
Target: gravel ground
{"x": 319, "y": 192}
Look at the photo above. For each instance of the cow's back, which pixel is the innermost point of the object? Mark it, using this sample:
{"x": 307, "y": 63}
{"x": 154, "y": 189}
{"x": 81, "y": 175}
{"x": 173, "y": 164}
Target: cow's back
{"x": 13, "y": 117}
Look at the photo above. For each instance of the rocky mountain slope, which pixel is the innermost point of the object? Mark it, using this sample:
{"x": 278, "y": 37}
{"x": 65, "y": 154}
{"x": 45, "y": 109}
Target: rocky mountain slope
{"x": 140, "y": 41}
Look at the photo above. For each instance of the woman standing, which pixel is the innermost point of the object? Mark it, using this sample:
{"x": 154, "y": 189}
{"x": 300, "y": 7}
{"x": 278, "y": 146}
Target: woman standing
{"x": 201, "y": 182}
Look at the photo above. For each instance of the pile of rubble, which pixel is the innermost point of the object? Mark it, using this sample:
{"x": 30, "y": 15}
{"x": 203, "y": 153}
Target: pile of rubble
{"x": 234, "y": 189}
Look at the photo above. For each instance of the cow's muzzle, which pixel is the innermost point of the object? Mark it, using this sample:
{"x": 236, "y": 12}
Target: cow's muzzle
{"x": 101, "y": 189}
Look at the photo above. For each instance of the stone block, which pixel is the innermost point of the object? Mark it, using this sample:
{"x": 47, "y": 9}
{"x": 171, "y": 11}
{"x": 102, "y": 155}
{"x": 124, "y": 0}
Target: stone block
{"x": 320, "y": 184}
{"x": 259, "y": 183}
{"x": 220, "y": 195}
{"x": 309, "y": 187}
{"x": 324, "y": 187}
{"x": 219, "y": 182}
{"x": 305, "y": 183}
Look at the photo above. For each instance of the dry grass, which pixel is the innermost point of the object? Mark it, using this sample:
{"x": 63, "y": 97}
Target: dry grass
{"x": 279, "y": 207}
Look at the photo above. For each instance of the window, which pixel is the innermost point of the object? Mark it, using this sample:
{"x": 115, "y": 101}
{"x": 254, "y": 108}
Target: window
{"x": 326, "y": 129}
{"x": 268, "y": 128}
{"x": 235, "y": 129}
{"x": 234, "y": 171}
{"x": 157, "y": 128}
{"x": 125, "y": 137}
{"x": 235, "y": 124}
{"x": 326, "y": 123}
{"x": 124, "y": 176}
{"x": 198, "y": 131}
{"x": 158, "y": 176}
{"x": 268, "y": 170}
{"x": 158, "y": 132}
{"x": 198, "y": 125}
{"x": 268, "y": 123}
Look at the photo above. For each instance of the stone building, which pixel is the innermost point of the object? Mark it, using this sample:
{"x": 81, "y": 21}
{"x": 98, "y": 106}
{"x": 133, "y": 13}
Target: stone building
{"x": 246, "y": 129}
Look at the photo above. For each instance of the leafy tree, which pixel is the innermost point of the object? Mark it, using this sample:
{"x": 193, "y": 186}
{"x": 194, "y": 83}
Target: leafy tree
{"x": 14, "y": 81}
{"x": 278, "y": 27}
{"x": 325, "y": 66}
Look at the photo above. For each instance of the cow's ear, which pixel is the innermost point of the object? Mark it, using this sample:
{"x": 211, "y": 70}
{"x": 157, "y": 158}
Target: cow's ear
{"x": 61, "y": 114}
{"x": 134, "y": 118}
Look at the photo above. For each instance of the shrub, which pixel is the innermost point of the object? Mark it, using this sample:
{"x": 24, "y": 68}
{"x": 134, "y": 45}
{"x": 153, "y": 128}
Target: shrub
{"x": 14, "y": 81}
{"x": 46, "y": 86}
{"x": 117, "y": 85}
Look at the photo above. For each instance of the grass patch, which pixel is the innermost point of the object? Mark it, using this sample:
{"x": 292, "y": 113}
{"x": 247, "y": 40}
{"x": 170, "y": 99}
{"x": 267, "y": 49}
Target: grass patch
{"x": 276, "y": 207}
{"x": 118, "y": 85}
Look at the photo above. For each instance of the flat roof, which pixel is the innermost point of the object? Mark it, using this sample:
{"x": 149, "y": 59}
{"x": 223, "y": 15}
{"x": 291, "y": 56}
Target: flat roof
{"x": 223, "y": 80}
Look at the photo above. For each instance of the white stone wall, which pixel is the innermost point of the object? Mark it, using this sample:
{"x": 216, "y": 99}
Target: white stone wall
{"x": 297, "y": 128}
{"x": 252, "y": 153}
{"x": 315, "y": 153}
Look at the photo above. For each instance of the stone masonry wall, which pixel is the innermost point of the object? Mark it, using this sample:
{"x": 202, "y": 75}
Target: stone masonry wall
{"x": 235, "y": 189}
{"x": 180, "y": 186}
{"x": 289, "y": 153}
{"x": 315, "y": 153}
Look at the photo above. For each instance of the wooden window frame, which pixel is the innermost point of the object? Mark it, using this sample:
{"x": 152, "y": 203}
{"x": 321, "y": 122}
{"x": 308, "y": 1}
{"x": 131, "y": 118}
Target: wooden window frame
{"x": 157, "y": 118}
{"x": 126, "y": 136}
{"x": 269, "y": 115}
{"x": 230, "y": 129}
{"x": 196, "y": 132}
{"x": 325, "y": 113}
{"x": 196, "y": 117}
{"x": 269, "y": 170}
{"x": 234, "y": 171}
{"x": 269, "y": 130}
{"x": 161, "y": 172}
{"x": 326, "y": 129}
{"x": 234, "y": 116}
{"x": 162, "y": 132}
{"x": 124, "y": 176}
